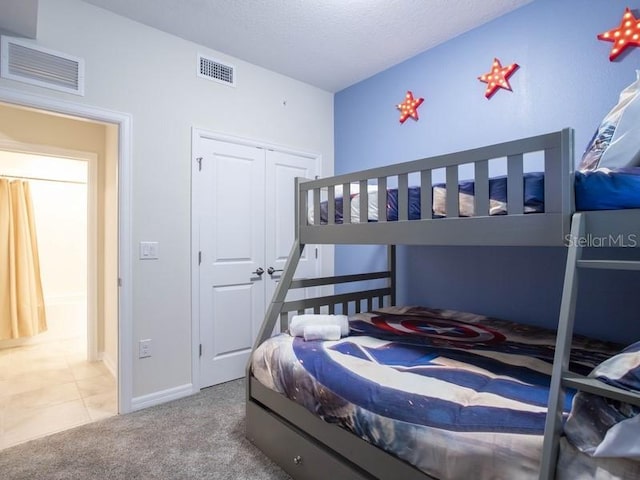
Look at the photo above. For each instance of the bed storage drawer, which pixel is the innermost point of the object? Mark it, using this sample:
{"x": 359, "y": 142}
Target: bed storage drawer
{"x": 297, "y": 453}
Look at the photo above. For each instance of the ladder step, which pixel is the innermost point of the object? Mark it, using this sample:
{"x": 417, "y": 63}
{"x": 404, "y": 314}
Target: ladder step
{"x": 610, "y": 264}
{"x": 593, "y": 385}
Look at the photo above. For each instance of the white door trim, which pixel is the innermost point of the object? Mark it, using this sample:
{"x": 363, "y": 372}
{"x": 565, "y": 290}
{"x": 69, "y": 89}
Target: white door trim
{"x": 125, "y": 273}
{"x": 196, "y": 135}
{"x": 92, "y": 226}
{"x": 223, "y": 137}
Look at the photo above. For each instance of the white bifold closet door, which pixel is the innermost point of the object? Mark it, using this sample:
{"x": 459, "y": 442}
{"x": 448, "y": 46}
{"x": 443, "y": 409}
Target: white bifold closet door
{"x": 246, "y": 230}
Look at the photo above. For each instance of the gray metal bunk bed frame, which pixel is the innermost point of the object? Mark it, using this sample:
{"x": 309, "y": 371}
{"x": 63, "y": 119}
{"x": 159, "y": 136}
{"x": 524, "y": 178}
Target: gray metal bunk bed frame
{"x": 306, "y": 446}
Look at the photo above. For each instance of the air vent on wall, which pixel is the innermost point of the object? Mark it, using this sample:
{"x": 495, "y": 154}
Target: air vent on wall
{"x": 29, "y": 63}
{"x": 216, "y": 71}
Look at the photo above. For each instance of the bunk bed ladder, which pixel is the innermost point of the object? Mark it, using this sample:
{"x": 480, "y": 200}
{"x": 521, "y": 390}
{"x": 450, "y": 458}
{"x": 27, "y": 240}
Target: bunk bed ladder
{"x": 561, "y": 377}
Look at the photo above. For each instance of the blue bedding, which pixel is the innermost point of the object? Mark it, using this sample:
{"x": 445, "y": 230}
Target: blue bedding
{"x": 608, "y": 190}
{"x": 594, "y": 190}
{"x": 455, "y": 394}
{"x": 533, "y": 186}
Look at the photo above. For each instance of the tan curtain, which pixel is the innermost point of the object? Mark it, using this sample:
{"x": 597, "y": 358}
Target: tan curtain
{"x": 22, "y": 311}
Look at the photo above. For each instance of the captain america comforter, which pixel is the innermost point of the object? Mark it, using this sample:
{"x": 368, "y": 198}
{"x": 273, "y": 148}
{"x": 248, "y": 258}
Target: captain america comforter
{"x": 455, "y": 394}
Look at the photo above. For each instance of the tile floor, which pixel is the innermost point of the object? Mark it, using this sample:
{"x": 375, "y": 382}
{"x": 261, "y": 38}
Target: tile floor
{"x": 51, "y": 387}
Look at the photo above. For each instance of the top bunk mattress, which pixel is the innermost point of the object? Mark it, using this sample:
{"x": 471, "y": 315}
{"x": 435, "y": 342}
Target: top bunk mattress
{"x": 456, "y": 395}
{"x": 601, "y": 189}
{"x": 533, "y": 200}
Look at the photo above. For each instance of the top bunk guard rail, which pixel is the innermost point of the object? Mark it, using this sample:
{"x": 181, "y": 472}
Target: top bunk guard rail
{"x": 515, "y": 228}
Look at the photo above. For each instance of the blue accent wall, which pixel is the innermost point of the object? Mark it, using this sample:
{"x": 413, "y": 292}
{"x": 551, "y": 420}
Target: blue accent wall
{"x": 565, "y": 79}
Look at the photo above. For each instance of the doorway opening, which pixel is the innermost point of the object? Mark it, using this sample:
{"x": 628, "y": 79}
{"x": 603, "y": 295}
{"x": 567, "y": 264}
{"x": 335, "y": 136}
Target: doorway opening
{"x": 68, "y": 374}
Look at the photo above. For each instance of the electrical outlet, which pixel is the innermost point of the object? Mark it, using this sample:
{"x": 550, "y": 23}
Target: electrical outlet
{"x": 144, "y": 348}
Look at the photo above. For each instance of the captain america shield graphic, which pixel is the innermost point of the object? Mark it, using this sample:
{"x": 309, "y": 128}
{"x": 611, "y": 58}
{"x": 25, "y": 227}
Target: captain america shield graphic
{"x": 439, "y": 330}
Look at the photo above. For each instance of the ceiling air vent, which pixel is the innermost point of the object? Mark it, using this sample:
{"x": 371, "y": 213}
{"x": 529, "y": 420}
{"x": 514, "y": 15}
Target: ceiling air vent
{"x": 29, "y": 63}
{"x": 216, "y": 71}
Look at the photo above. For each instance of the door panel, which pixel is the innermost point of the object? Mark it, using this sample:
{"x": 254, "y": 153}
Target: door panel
{"x": 231, "y": 240}
{"x": 282, "y": 169}
{"x": 245, "y": 215}
{"x": 230, "y": 336}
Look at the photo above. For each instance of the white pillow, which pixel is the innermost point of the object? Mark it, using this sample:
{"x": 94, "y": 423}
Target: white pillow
{"x": 616, "y": 143}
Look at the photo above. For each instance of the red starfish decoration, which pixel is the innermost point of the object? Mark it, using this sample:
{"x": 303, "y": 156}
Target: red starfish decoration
{"x": 626, "y": 34}
{"x": 498, "y": 77}
{"x": 409, "y": 108}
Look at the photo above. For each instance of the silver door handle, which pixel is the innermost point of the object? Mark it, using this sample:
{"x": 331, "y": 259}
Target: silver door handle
{"x": 272, "y": 270}
{"x": 259, "y": 271}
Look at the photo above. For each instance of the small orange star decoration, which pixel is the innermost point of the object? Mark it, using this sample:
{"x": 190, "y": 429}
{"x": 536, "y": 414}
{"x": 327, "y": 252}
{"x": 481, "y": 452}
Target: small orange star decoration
{"x": 626, "y": 34}
{"x": 409, "y": 108}
{"x": 498, "y": 77}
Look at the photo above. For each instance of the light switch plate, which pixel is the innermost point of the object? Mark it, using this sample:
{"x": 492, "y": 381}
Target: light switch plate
{"x": 148, "y": 250}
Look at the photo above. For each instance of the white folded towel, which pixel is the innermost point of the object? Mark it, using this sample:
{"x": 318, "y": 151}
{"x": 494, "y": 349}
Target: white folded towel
{"x": 298, "y": 322}
{"x": 321, "y": 332}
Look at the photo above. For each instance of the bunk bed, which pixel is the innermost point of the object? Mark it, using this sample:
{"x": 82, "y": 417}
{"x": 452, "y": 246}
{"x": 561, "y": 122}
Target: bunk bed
{"x": 311, "y": 429}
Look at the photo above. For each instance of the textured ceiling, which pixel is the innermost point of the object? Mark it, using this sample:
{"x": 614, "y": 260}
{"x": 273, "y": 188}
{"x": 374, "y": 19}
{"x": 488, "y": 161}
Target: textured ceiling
{"x": 331, "y": 44}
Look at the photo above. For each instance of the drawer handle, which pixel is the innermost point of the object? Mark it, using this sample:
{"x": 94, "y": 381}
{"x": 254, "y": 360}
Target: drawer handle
{"x": 297, "y": 459}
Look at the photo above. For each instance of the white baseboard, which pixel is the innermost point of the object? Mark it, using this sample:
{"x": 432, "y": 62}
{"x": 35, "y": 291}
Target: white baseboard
{"x": 163, "y": 396}
{"x": 110, "y": 363}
